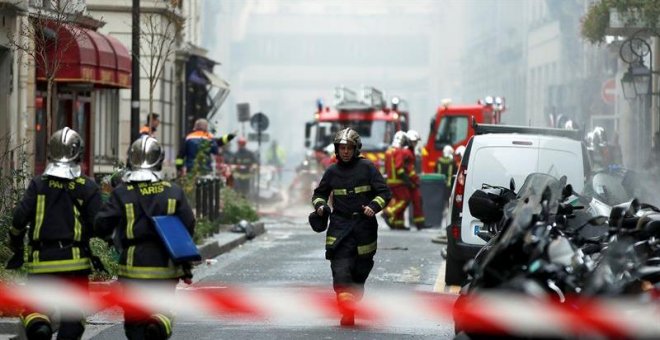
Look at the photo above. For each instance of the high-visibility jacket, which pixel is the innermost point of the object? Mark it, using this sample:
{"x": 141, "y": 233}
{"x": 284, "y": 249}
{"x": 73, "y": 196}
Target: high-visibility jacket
{"x": 353, "y": 185}
{"x": 190, "y": 147}
{"x": 445, "y": 166}
{"x": 143, "y": 255}
{"x": 60, "y": 213}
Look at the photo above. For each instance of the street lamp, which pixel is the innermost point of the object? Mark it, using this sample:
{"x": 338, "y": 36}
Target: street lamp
{"x": 636, "y": 82}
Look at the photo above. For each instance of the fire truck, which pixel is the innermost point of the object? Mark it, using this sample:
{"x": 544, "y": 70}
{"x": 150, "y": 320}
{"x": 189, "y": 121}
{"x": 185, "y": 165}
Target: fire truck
{"x": 452, "y": 125}
{"x": 368, "y": 115}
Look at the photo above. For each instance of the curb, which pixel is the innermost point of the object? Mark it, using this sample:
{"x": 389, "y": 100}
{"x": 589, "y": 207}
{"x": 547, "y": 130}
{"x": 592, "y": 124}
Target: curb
{"x": 216, "y": 245}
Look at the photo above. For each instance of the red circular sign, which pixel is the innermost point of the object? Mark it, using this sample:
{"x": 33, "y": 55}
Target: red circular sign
{"x": 608, "y": 91}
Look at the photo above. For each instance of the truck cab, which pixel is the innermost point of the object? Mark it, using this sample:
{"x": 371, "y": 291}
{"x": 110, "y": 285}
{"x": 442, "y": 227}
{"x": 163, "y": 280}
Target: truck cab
{"x": 452, "y": 125}
{"x": 369, "y": 116}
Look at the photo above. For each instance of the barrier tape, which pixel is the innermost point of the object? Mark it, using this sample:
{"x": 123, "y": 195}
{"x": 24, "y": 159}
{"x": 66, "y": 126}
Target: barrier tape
{"x": 634, "y": 317}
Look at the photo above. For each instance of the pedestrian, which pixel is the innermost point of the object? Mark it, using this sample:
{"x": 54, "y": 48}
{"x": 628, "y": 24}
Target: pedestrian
{"x": 198, "y": 140}
{"x": 59, "y": 206}
{"x": 152, "y": 124}
{"x": 276, "y": 158}
{"x": 396, "y": 158}
{"x": 245, "y": 164}
{"x": 144, "y": 262}
{"x": 359, "y": 193}
{"x": 415, "y": 194}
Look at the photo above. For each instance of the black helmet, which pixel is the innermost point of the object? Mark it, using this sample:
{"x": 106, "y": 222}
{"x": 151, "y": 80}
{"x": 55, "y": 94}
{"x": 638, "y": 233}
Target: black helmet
{"x": 65, "y": 149}
{"x": 319, "y": 223}
{"x": 348, "y": 136}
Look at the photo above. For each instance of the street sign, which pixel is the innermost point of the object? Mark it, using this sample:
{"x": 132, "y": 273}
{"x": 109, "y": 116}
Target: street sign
{"x": 243, "y": 110}
{"x": 254, "y": 137}
{"x": 259, "y": 122}
{"x": 608, "y": 91}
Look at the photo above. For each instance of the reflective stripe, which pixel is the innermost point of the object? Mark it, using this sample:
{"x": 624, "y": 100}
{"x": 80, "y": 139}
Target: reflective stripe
{"x": 166, "y": 322}
{"x": 77, "y": 227}
{"x": 37, "y": 267}
{"x": 400, "y": 171}
{"x": 178, "y": 161}
{"x": 318, "y": 200}
{"x": 171, "y": 206}
{"x": 366, "y": 249}
{"x": 363, "y": 188}
{"x": 329, "y": 240}
{"x": 380, "y": 201}
{"x": 345, "y": 297}
{"x": 391, "y": 181}
{"x": 14, "y": 231}
{"x": 75, "y": 253}
{"x": 418, "y": 219}
{"x": 412, "y": 173}
{"x": 340, "y": 192}
{"x": 149, "y": 272}
{"x": 34, "y": 316}
{"x": 129, "y": 256}
{"x": 39, "y": 219}
{"x": 130, "y": 220}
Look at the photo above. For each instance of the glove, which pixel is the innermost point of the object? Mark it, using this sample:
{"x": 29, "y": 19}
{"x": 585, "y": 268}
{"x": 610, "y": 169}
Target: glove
{"x": 16, "y": 261}
{"x": 230, "y": 136}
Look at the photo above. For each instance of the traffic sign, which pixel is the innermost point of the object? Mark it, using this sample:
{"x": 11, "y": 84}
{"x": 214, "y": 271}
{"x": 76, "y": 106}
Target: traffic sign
{"x": 259, "y": 122}
{"x": 243, "y": 110}
{"x": 254, "y": 137}
{"x": 608, "y": 91}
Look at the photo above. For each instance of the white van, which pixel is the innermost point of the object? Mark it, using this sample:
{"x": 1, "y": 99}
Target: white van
{"x": 495, "y": 158}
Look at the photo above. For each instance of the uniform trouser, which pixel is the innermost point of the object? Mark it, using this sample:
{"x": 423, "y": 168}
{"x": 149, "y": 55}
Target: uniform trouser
{"x": 154, "y": 326}
{"x": 349, "y": 272}
{"x": 418, "y": 212}
{"x": 397, "y": 206}
{"x": 72, "y": 326}
{"x": 242, "y": 185}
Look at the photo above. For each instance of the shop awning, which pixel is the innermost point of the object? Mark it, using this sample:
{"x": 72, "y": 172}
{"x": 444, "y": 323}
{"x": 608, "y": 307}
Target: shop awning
{"x": 221, "y": 92}
{"x": 80, "y": 55}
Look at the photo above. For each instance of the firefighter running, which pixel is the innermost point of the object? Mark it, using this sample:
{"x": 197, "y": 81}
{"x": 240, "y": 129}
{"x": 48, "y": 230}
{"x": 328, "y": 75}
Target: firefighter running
{"x": 59, "y": 206}
{"x": 144, "y": 260}
{"x": 359, "y": 192}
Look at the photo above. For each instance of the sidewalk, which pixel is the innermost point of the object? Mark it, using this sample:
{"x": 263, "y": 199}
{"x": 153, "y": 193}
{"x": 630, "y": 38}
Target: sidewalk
{"x": 218, "y": 244}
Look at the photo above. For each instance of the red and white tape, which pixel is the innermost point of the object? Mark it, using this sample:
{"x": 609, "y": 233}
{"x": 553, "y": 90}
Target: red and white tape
{"x": 490, "y": 313}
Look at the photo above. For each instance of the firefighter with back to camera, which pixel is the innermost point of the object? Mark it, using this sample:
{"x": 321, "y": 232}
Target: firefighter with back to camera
{"x": 59, "y": 206}
{"x": 359, "y": 192}
{"x": 144, "y": 262}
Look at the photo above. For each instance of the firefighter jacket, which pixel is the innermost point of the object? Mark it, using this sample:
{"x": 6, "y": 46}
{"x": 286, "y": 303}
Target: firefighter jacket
{"x": 195, "y": 141}
{"x": 353, "y": 185}
{"x": 143, "y": 255}
{"x": 445, "y": 166}
{"x": 60, "y": 213}
{"x": 244, "y": 160}
{"x": 395, "y": 170}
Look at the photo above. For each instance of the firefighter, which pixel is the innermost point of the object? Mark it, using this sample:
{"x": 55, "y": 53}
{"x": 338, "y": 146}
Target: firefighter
{"x": 144, "y": 262}
{"x": 397, "y": 180}
{"x": 59, "y": 206}
{"x": 245, "y": 162}
{"x": 150, "y": 127}
{"x": 415, "y": 194}
{"x": 446, "y": 166}
{"x": 359, "y": 192}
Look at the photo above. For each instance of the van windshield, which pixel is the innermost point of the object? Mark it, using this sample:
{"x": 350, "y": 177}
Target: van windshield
{"x": 451, "y": 131}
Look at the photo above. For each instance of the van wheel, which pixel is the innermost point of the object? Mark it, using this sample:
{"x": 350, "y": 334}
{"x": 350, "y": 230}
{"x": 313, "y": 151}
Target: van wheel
{"x": 454, "y": 274}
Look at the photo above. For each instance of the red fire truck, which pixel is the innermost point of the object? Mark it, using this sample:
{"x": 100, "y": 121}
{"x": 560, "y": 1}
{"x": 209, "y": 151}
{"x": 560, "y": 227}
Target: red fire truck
{"x": 452, "y": 125}
{"x": 369, "y": 116}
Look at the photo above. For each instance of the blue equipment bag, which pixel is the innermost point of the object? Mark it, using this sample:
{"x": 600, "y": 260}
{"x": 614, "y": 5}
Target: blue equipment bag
{"x": 176, "y": 238}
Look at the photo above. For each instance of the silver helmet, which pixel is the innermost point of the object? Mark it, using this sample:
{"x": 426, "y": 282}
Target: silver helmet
{"x": 400, "y": 139}
{"x": 348, "y": 136}
{"x": 65, "y": 149}
{"x": 145, "y": 160}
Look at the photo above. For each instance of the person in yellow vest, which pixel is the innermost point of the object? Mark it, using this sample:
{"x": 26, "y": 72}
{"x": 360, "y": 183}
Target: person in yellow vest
{"x": 59, "y": 206}
{"x": 149, "y": 129}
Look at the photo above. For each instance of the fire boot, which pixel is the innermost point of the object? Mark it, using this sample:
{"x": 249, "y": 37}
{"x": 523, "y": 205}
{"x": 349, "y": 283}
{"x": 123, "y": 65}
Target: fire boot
{"x": 346, "y": 303}
{"x": 37, "y": 326}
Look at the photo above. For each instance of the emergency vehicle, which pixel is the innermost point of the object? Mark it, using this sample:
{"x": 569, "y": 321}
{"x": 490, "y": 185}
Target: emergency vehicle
{"x": 368, "y": 115}
{"x": 453, "y": 125}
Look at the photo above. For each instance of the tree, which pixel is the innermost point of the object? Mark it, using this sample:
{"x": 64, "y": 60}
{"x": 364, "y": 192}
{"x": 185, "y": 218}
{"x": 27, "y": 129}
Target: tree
{"x": 46, "y": 35}
{"x": 640, "y": 13}
{"x": 159, "y": 36}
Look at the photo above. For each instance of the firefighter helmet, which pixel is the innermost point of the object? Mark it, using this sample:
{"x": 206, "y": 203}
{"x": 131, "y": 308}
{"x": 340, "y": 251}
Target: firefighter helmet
{"x": 348, "y": 136}
{"x": 65, "y": 149}
{"x": 460, "y": 151}
{"x": 145, "y": 159}
{"x": 413, "y": 136}
{"x": 242, "y": 141}
{"x": 447, "y": 151}
{"x": 399, "y": 139}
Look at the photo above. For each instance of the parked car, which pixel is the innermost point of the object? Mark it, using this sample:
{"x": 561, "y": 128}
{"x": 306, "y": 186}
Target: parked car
{"x": 495, "y": 155}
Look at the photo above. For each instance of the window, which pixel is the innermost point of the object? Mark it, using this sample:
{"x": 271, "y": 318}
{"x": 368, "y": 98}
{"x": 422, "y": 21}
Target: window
{"x": 106, "y": 129}
{"x": 451, "y": 131}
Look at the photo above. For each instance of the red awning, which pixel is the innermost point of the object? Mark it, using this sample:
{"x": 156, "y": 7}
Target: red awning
{"x": 86, "y": 56}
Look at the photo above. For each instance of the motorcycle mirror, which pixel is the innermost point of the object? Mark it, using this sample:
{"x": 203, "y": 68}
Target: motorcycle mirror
{"x": 512, "y": 185}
